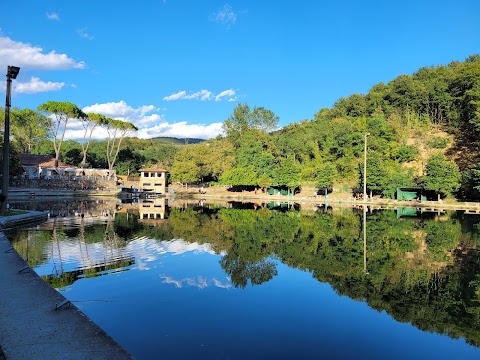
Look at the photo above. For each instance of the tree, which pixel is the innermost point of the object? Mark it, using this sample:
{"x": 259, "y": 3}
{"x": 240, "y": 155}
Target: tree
{"x": 128, "y": 161}
{"x": 185, "y": 172}
{"x": 29, "y": 127}
{"x": 326, "y": 173}
{"x": 117, "y": 131}
{"x": 265, "y": 182}
{"x": 15, "y": 167}
{"x": 441, "y": 175}
{"x": 73, "y": 156}
{"x": 90, "y": 123}
{"x": 218, "y": 157}
{"x": 287, "y": 174}
{"x": 470, "y": 189}
{"x": 244, "y": 119}
{"x": 377, "y": 172}
{"x": 61, "y": 113}
{"x": 240, "y": 176}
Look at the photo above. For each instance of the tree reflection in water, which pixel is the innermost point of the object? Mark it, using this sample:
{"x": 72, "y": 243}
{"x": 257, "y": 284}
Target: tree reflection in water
{"x": 424, "y": 270}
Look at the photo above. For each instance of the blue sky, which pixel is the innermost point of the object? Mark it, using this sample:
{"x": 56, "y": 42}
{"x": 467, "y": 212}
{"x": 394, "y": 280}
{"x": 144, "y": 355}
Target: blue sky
{"x": 179, "y": 67}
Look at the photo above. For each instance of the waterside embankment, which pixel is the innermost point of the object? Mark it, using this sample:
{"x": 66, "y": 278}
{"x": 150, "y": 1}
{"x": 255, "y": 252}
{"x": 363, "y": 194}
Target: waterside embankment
{"x": 36, "y": 321}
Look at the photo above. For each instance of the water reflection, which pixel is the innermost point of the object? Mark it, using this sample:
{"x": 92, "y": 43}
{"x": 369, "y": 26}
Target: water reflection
{"x": 420, "y": 268}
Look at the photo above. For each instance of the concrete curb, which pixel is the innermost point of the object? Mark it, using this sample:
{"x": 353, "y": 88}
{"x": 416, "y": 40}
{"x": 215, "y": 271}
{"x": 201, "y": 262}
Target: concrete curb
{"x": 29, "y": 217}
{"x": 31, "y": 326}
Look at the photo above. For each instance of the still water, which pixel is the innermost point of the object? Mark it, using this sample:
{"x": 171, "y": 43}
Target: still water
{"x": 178, "y": 280}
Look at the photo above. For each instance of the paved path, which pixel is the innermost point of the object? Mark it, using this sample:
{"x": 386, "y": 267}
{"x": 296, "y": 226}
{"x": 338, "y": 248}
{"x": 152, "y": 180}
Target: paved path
{"x": 30, "y": 325}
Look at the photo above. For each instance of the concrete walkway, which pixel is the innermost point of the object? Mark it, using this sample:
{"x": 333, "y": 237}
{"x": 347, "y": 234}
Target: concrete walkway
{"x": 30, "y": 325}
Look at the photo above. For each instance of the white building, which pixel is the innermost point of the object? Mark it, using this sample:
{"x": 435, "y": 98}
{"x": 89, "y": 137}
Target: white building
{"x": 153, "y": 180}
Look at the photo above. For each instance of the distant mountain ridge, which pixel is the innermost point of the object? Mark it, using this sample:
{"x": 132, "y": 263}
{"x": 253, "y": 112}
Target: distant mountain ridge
{"x": 177, "y": 141}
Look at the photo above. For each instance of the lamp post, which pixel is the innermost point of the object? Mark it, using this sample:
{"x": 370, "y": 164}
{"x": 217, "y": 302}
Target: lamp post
{"x": 365, "y": 205}
{"x": 12, "y": 72}
{"x": 365, "y": 168}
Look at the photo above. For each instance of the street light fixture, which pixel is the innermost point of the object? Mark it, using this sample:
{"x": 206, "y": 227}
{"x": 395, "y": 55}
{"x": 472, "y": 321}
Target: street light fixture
{"x": 12, "y": 72}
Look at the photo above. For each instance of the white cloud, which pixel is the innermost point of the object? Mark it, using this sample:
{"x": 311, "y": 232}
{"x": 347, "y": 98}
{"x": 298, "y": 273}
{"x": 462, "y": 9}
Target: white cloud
{"x": 202, "y": 95}
{"x": 140, "y": 116}
{"x": 200, "y": 282}
{"x": 53, "y": 16}
{"x": 120, "y": 110}
{"x": 149, "y": 121}
{"x": 224, "y": 16}
{"x": 32, "y": 57}
{"x": 182, "y": 130}
{"x": 177, "y": 96}
{"x": 35, "y": 85}
{"x": 227, "y": 93}
{"x": 84, "y": 34}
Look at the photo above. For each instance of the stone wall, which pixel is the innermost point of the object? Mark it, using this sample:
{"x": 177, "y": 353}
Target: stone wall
{"x": 78, "y": 183}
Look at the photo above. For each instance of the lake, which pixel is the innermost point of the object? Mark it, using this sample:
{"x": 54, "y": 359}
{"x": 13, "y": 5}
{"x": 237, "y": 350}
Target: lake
{"x": 201, "y": 280}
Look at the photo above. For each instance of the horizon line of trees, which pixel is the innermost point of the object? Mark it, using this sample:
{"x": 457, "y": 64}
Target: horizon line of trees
{"x": 405, "y": 146}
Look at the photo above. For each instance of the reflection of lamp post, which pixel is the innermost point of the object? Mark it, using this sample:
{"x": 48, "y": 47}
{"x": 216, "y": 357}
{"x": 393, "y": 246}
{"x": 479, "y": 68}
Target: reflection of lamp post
{"x": 365, "y": 238}
{"x": 12, "y": 72}
{"x": 365, "y": 168}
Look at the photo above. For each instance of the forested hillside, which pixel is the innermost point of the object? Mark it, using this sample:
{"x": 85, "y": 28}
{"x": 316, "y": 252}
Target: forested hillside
{"x": 422, "y": 131}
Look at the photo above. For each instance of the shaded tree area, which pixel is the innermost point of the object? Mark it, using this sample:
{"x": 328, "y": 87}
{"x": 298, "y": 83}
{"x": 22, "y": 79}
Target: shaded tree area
{"x": 329, "y": 148}
{"x": 133, "y": 155}
{"x": 205, "y": 161}
{"x": 407, "y": 119}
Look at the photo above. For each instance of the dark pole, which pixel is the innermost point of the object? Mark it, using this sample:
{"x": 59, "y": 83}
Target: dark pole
{"x": 365, "y": 168}
{"x": 12, "y": 72}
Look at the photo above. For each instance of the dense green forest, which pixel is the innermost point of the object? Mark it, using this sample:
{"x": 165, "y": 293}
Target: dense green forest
{"x": 422, "y": 131}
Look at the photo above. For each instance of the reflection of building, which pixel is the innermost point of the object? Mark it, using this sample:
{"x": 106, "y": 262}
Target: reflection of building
{"x": 153, "y": 209}
{"x": 153, "y": 180}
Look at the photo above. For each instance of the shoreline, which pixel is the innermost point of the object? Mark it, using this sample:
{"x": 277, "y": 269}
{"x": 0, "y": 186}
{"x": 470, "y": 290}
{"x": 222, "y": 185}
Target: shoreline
{"x": 36, "y": 321}
{"x": 212, "y": 193}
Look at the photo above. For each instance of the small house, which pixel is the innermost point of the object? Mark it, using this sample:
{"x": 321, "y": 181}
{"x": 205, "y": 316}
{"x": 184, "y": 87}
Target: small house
{"x": 44, "y": 166}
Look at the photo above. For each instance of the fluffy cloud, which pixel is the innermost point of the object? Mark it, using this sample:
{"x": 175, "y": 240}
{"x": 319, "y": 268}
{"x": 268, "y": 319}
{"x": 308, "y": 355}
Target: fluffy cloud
{"x": 33, "y": 57}
{"x": 224, "y": 16}
{"x": 182, "y": 130}
{"x": 148, "y": 120}
{"x": 120, "y": 110}
{"x": 35, "y": 85}
{"x": 53, "y": 16}
{"x": 227, "y": 93}
{"x": 202, "y": 95}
